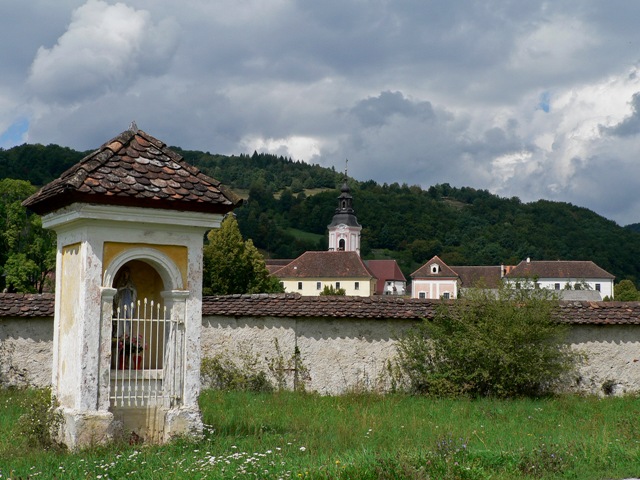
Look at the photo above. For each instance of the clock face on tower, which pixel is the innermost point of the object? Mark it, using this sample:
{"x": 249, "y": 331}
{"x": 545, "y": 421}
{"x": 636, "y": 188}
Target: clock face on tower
{"x": 342, "y": 227}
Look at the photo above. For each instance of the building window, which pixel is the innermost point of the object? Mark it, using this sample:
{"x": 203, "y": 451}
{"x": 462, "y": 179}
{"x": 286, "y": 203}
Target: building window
{"x": 337, "y": 285}
{"x": 446, "y": 295}
{"x": 422, "y": 295}
{"x": 299, "y": 285}
{"x": 597, "y": 287}
{"x": 557, "y": 286}
{"x": 357, "y": 286}
{"x": 341, "y": 244}
{"x": 435, "y": 268}
{"x": 318, "y": 285}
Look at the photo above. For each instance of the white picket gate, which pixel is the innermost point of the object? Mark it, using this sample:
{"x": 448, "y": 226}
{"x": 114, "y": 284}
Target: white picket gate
{"x": 146, "y": 357}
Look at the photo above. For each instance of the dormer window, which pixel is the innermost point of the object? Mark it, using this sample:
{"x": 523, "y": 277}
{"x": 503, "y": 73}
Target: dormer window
{"x": 435, "y": 268}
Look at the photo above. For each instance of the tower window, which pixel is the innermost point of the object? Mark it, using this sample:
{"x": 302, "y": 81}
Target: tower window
{"x": 341, "y": 244}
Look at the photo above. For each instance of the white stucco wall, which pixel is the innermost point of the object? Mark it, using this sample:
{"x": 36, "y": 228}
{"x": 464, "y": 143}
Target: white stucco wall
{"x": 341, "y": 354}
{"x": 26, "y": 351}
{"x": 613, "y": 355}
{"x": 366, "y": 287}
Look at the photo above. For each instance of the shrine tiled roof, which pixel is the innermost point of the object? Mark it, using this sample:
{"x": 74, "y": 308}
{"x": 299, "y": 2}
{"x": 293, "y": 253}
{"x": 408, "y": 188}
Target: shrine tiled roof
{"x": 376, "y": 307}
{"x": 135, "y": 169}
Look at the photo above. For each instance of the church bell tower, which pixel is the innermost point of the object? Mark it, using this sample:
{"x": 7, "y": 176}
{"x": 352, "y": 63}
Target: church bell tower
{"x": 344, "y": 229}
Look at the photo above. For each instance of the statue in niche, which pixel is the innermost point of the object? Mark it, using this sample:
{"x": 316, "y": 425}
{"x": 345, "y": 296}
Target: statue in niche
{"x": 124, "y": 300}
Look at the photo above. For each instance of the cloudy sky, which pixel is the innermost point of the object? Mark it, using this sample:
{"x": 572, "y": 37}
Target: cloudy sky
{"x": 531, "y": 99}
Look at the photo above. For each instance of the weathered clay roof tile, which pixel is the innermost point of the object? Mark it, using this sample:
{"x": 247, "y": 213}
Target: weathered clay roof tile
{"x": 26, "y": 305}
{"x": 377, "y": 307}
{"x": 133, "y": 169}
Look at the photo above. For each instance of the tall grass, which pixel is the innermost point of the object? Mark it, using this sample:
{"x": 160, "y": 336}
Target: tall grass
{"x": 287, "y": 435}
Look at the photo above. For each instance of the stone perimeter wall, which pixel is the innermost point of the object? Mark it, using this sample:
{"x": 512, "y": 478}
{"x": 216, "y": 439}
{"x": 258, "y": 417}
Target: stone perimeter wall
{"x": 340, "y": 355}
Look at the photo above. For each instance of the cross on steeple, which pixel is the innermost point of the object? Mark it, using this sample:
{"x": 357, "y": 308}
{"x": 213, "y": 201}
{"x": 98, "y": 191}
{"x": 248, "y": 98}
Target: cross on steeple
{"x": 346, "y": 167}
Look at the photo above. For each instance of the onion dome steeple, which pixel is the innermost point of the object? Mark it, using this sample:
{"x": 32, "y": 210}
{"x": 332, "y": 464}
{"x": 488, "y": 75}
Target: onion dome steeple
{"x": 344, "y": 229}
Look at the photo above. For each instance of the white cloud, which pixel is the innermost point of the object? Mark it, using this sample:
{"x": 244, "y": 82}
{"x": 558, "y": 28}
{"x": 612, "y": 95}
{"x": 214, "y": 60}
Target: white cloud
{"x": 295, "y": 147}
{"x": 105, "y": 48}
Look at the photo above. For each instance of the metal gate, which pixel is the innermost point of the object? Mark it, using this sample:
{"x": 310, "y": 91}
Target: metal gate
{"x": 147, "y": 349}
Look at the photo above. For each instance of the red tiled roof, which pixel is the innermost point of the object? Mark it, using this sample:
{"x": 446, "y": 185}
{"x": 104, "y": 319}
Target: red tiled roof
{"x": 275, "y": 264}
{"x": 377, "y": 307}
{"x": 425, "y": 270}
{"x": 486, "y": 276}
{"x": 336, "y": 264}
{"x": 600, "y": 313}
{"x": 385, "y": 270}
{"x": 296, "y": 305}
{"x": 135, "y": 169}
{"x": 558, "y": 269}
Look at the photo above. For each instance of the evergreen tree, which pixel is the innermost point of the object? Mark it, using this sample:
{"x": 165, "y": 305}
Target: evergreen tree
{"x": 232, "y": 265}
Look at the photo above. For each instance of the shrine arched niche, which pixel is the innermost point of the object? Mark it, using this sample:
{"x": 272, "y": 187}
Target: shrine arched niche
{"x": 142, "y": 280}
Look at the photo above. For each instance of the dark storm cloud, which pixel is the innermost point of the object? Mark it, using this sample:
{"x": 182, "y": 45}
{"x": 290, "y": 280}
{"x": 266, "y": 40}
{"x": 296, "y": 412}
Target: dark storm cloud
{"x": 526, "y": 99}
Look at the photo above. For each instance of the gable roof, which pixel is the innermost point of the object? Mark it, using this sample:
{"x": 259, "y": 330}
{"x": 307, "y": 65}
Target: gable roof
{"x": 425, "y": 271}
{"x": 562, "y": 269}
{"x": 135, "y": 169}
{"x": 337, "y": 264}
{"x": 385, "y": 270}
{"x": 474, "y": 276}
{"x": 275, "y": 264}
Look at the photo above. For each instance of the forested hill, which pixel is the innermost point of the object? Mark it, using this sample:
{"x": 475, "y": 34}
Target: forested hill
{"x": 291, "y": 203}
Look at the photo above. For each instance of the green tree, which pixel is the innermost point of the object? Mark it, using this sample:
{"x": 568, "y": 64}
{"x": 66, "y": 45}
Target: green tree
{"x": 232, "y": 265}
{"x": 504, "y": 345}
{"x": 21, "y": 273}
{"x": 27, "y": 251}
{"x": 626, "y": 291}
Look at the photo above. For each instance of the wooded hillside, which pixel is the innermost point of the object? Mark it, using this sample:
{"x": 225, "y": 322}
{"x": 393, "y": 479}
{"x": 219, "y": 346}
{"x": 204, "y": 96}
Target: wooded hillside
{"x": 290, "y": 203}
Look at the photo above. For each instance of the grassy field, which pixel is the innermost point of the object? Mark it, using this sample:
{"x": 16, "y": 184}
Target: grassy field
{"x": 287, "y": 435}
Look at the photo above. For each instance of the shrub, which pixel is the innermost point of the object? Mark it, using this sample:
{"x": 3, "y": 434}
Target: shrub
{"x": 243, "y": 372}
{"x": 222, "y": 373}
{"x": 42, "y": 420}
{"x": 504, "y": 345}
{"x": 330, "y": 290}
